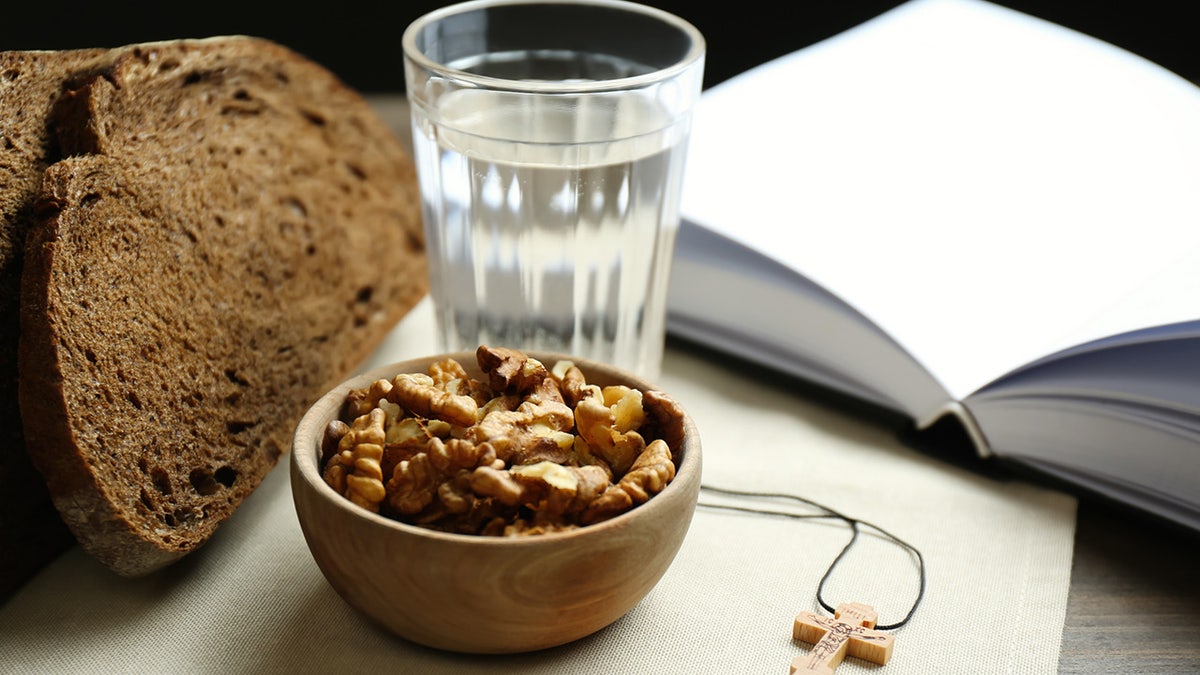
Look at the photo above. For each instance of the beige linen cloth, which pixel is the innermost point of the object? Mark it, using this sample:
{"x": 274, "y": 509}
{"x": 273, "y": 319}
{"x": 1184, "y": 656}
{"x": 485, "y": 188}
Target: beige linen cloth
{"x": 253, "y": 600}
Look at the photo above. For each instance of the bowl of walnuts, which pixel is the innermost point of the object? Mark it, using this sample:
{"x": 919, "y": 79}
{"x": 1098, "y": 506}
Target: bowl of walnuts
{"x": 495, "y": 502}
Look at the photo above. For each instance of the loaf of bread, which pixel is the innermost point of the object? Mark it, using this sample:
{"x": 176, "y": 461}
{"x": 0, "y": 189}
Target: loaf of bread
{"x": 229, "y": 231}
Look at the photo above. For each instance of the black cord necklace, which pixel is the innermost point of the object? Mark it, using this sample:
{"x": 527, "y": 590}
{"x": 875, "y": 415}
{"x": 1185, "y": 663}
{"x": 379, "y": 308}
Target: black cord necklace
{"x": 853, "y": 627}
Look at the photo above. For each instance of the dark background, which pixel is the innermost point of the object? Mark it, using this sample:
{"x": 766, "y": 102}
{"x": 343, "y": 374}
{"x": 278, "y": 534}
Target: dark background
{"x": 360, "y": 41}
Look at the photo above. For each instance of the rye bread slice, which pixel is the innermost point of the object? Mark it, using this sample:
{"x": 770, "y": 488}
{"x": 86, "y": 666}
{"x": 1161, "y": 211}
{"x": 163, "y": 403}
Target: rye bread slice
{"x": 31, "y": 532}
{"x": 232, "y": 232}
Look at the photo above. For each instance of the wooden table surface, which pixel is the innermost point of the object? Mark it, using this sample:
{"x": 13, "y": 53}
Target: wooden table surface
{"x": 1134, "y": 604}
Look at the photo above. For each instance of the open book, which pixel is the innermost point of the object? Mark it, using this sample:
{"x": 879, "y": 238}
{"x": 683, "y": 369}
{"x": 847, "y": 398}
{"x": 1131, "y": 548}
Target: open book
{"x": 958, "y": 209}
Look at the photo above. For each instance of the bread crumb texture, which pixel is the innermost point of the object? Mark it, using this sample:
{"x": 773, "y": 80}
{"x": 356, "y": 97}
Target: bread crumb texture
{"x": 230, "y": 233}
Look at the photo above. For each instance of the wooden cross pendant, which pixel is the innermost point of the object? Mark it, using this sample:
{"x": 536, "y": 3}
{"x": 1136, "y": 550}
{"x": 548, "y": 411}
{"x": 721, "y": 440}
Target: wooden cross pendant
{"x": 850, "y": 630}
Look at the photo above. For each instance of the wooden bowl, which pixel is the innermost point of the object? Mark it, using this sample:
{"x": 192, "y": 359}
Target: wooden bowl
{"x": 478, "y": 594}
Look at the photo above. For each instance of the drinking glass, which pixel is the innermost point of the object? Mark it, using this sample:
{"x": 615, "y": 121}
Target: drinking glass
{"x": 550, "y": 140}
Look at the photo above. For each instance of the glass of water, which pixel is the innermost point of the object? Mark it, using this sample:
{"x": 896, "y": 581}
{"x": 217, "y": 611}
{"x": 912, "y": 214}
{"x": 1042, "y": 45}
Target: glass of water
{"x": 550, "y": 140}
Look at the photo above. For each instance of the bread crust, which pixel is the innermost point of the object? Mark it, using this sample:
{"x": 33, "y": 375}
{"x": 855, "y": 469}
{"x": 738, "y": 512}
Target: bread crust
{"x": 232, "y": 231}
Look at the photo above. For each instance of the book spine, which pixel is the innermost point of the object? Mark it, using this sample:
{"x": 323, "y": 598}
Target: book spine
{"x": 964, "y": 416}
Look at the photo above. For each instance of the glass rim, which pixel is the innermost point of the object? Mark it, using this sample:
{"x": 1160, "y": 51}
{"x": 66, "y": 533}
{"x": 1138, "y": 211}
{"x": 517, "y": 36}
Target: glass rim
{"x": 695, "y": 53}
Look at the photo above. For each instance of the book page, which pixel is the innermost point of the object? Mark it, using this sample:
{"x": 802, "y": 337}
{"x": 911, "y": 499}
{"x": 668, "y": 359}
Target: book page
{"x": 984, "y": 185}
{"x": 713, "y": 277}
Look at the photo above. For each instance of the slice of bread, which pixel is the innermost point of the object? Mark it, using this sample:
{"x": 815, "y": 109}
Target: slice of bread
{"x": 31, "y": 532}
{"x": 232, "y": 231}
